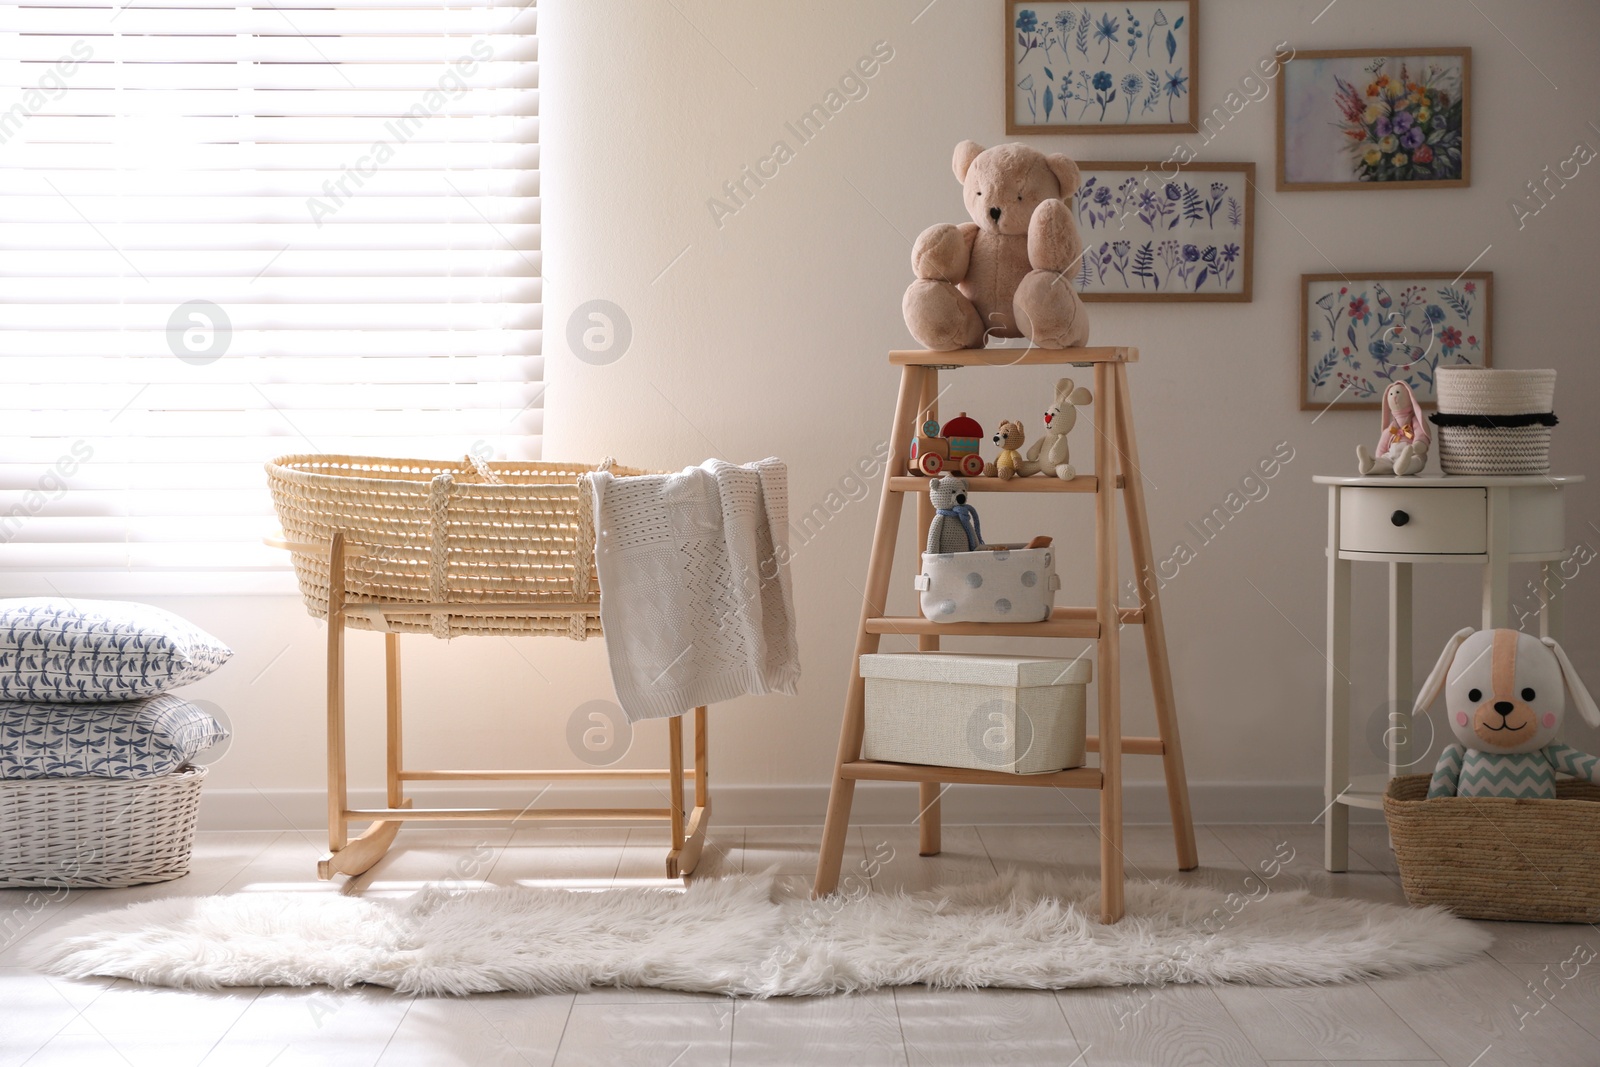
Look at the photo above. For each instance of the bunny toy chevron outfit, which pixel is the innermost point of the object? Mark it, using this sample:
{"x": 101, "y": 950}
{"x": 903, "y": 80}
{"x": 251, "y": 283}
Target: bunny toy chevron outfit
{"x": 1505, "y": 693}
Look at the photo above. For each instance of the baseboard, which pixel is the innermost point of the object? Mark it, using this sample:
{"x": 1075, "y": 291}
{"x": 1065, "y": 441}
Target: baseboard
{"x": 876, "y": 803}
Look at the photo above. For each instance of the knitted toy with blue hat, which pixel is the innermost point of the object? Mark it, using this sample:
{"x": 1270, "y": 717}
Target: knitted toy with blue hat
{"x": 955, "y": 522}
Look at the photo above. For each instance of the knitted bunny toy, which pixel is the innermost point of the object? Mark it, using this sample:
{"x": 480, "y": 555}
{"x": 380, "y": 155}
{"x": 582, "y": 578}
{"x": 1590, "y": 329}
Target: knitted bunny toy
{"x": 1504, "y": 693}
{"x": 1403, "y": 441}
{"x": 955, "y": 522}
{"x": 1049, "y": 453}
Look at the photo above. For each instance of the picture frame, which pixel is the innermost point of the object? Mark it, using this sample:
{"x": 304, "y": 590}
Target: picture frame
{"x": 1094, "y": 54}
{"x": 1356, "y": 328}
{"x": 1346, "y": 116}
{"x": 1136, "y": 218}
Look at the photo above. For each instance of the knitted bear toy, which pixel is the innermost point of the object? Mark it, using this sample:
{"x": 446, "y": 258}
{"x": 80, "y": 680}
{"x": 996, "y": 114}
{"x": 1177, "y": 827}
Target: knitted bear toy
{"x": 1009, "y": 438}
{"x": 1504, "y": 693}
{"x": 955, "y": 522}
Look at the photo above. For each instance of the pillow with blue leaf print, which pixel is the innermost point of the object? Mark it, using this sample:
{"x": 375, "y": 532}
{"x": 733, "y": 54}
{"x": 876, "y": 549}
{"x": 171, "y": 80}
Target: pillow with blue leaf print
{"x": 143, "y": 738}
{"x": 93, "y": 651}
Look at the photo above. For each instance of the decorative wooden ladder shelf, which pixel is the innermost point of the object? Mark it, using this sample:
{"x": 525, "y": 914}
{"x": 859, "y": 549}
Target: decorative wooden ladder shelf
{"x": 1116, "y": 466}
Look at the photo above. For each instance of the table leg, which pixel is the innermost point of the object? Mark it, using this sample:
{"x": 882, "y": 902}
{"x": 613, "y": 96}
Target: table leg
{"x": 1337, "y": 742}
{"x": 1401, "y": 695}
{"x": 1497, "y": 571}
{"x": 1550, "y": 589}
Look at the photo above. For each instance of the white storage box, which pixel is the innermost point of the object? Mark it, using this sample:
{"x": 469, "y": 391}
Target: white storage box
{"x": 1005, "y": 584}
{"x": 1022, "y": 714}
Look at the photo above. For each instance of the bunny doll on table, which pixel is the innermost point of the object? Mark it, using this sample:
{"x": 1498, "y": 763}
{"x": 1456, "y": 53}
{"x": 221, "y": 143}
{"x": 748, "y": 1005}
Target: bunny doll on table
{"x": 1403, "y": 441}
{"x": 1504, "y": 693}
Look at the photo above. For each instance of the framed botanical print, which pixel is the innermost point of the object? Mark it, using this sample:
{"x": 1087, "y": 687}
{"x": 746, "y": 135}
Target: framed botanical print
{"x": 1370, "y": 119}
{"x": 1157, "y": 232}
{"x": 1359, "y": 332}
{"x": 1125, "y": 67}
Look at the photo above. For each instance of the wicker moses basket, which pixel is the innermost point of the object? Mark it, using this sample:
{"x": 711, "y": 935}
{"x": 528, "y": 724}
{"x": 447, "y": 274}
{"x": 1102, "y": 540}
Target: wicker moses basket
{"x": 421, "y": 532}
{"x": 452, "y": 549}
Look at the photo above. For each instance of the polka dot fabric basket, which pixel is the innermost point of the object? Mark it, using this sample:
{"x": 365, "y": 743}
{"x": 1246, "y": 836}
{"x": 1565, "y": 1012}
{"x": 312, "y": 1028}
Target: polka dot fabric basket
{"x": 997, "y": 584}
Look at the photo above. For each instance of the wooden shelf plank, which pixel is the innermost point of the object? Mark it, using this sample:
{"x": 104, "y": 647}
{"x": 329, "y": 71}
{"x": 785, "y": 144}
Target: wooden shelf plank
{"x": 1083, "y": 483}
{"x": 873, "y": 770}
{"x": 1013, "y": 357}
{"x": 1063, "y": 622}
{"x": 1131, "y": 746}
{"x": 510, "y": 814}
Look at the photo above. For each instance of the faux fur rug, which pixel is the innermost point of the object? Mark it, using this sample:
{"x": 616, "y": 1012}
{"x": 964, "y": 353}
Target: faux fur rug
{"x": 741, "y": 936}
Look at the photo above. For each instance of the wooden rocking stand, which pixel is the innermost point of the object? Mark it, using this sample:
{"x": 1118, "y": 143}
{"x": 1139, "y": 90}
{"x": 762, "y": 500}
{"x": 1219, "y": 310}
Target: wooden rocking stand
{"x": 1116, "y": 466}
{"x": 354, "y": 855}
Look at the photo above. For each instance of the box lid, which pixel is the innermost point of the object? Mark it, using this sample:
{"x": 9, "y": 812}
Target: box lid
{"x": 965, "y": 668}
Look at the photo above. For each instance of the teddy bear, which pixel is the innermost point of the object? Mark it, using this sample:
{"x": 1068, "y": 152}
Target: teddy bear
{"x": 955, "y": 522}
{"x": 1049, "y": 453}
{"x": 1007, "y": 273}
{"x": 1009, "y": 438}
{"x": 1503, "y": 691}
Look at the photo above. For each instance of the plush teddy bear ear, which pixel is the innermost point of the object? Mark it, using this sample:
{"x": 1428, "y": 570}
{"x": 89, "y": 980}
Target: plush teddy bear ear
{"x": 1066, "y": 172}
{"x": 966, "y": 152}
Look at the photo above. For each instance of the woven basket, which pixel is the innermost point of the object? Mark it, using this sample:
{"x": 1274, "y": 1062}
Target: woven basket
{"x": 1487, "y": 858}
{"x": 427, "y": 532}
{"x": 1482, "y": 391}
{"x": 98, "y": 832}
{"x": 1494, "y": 449}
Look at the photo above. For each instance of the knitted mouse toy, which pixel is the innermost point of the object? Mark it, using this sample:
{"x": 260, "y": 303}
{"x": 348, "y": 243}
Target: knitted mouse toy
{"x": 1504, "y": 693}
{"x": 955, "y": 522}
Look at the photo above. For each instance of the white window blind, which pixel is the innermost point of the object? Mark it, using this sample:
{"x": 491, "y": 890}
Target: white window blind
{"x": 230, "y": 232}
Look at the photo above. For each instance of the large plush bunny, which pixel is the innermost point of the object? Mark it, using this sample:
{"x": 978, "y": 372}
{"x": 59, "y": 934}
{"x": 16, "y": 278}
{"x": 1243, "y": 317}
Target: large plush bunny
{"x": 1504, "y": 692}
{"x": 1049, "y": 454}
{"x": 1008, "y": 272}
{"x": 1403, "y": 441}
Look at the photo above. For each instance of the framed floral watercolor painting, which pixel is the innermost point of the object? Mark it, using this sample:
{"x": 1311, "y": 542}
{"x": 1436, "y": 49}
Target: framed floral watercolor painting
{"x": 1359, "y": 332}
{"x": 1360, "y": 119}
{"x": 1148, "y": 236}
{"x": 1124, "y": 67}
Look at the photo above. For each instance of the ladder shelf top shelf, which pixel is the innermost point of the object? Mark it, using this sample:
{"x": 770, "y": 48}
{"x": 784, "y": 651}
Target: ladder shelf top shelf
{"x": 876, "y": 771}
{"x": 1013, "y": 357}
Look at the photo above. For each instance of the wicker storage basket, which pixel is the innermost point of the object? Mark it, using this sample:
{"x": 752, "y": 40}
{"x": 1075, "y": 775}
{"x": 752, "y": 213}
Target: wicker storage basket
{"x": 99, "y": 832}
{"x": 1487, "y": 858}
{"x": 426, "y": 532}
{"x": 1516, "y": 448}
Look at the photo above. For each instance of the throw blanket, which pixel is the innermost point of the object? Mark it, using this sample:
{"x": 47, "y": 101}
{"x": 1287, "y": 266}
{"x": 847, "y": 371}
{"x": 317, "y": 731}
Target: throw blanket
{"x": 694, "y": 585}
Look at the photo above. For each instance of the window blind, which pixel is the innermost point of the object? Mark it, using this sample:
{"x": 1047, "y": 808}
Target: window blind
{"x": 230, "y": 232}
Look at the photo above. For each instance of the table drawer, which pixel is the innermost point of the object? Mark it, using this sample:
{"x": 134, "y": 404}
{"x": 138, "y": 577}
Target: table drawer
{"x": 1410, "y": 520}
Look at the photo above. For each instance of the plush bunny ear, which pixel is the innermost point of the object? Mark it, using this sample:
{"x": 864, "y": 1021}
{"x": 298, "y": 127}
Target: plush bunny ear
{"x": 966, "y": 152}
{"x": 1580, "y": 696}
{"x": 1441, "y": 670}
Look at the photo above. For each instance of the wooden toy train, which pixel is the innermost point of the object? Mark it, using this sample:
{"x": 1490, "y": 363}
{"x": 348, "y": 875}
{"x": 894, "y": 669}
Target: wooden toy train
{"x": 956, "y": 447}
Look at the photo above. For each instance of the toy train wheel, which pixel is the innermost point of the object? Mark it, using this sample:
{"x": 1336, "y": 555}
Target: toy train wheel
{"x": 972, "y": 465}
{"x": 930, "y": 463}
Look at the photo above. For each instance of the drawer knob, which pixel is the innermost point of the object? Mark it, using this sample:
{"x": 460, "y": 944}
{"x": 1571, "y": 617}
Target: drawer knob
{"x": 1399, "y": 518}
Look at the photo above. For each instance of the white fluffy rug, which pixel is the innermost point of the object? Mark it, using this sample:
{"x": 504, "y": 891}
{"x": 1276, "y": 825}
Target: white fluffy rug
{"x": 741, "y": 936}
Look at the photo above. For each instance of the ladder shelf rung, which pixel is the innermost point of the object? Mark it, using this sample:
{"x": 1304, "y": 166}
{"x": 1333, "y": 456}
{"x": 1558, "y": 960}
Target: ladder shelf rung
{"x": 1083, "y": 483}
{"x": 1013, "y": 357}
{"x": 1132, "y": 746}
{"x": 875, "y": 771}
{"x": 1063, "y": 622}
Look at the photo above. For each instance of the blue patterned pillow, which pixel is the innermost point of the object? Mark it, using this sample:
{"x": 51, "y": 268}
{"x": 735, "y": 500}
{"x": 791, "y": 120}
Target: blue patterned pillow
{"x": 93, "y": 651}
{"x": 134, "y": 739}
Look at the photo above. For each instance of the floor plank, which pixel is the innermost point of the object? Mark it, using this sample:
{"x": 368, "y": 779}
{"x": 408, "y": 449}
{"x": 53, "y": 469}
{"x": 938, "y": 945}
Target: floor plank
{"x": 1153, "y": 1027}
{"x": 284, "y": 1027}
{"x": 892, "y": 865}
{"x": 859, "y": 1029}
{"x": 1569, "y": 987}
{"x": 957, "y": 1028}
{"x": 1321, "y": 1022}
{"x": 492, "y": 1030}
{"x": 680, "y": 1030}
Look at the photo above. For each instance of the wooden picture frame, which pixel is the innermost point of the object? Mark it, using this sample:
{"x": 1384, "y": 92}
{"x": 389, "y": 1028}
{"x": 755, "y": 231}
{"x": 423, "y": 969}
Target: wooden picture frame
{"x": 1317, "y": 120}
{"x": 1433, "y": 319}
{"x": 1128, "y": 210}
{"x": 1164, "y": 59}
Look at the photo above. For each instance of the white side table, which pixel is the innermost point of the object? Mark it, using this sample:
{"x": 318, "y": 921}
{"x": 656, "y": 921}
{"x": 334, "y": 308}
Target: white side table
{"x": 1492, "y": 521}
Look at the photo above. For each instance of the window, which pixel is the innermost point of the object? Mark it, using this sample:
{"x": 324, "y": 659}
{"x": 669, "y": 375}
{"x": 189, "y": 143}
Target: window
{"x": 235, "y": 232}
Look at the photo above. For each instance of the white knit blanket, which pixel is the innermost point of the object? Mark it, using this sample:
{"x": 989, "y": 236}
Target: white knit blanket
{"x": 694, "y": 591}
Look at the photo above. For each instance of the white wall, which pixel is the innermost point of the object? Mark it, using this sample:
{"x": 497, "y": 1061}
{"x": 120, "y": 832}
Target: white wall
{"x": 767, "y": 335}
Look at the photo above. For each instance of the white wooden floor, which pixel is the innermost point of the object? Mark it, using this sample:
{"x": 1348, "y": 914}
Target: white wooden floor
{"x": 1467, "y": 1016}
